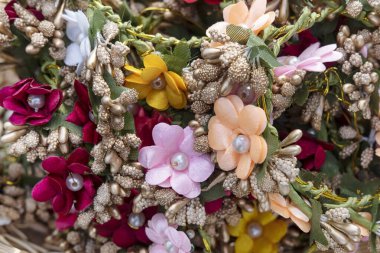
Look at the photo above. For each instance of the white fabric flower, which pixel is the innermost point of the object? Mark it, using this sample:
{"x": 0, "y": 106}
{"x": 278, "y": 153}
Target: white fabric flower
{"x": 77, "y": 31}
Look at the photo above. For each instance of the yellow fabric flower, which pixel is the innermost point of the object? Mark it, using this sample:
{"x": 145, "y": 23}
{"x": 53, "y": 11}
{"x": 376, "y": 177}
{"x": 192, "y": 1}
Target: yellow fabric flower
{"x": 155, "y": 83}
{"x": 258, "y": 232}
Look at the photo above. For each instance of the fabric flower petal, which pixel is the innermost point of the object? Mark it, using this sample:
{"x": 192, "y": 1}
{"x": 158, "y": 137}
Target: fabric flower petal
{"x": 157, "y": 175}
{"x": 155, "y": 61}
{"x": 244, "y": 167}
{"x": 244, "y": 244}
{"x": 200, "y": 168}
{"x": 181, "y": 183}
{"x": 55, "y": 164}
{"x": 158, "y": 100}
{"x": 252, "y": 120}
{"x": 152, "y": 156}
{"x": 227, "y": 159}
{"x": 226, "y": 112}
{"x": 168, "y": 136}
{"x": 219, "y": 136}
{"x": 236, "y": 14}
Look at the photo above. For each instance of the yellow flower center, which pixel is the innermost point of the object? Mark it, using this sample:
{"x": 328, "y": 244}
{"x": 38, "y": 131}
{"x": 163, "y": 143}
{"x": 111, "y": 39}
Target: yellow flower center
{"x": 158, "y": 83}
{"x": 254, "y": 230}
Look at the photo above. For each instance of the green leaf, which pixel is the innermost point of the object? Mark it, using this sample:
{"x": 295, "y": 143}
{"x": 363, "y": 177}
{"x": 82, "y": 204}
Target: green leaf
{"x": 238, "y": 34}
{"x": 375, "y": 214}
{"x": 97, "y": 20}
{"x": 255, "y": 41}
{"x": 316, "y": 233}
{"x": 270, "y": 135}
{"x": 322, "y": 134}
{"x": 141, "y": 46}
{"x": 351, "y": 184}
{"x": 182, "y": 51}
{"x": 95, "y": 102}
{"x": 214, "y": 193}
{"x": 331, "y": 165}
{"x": 301, "y": 95}
{"x": 268, "y": 57}
{"x": 174, "y": 63}
{"x": 60, "y": 120}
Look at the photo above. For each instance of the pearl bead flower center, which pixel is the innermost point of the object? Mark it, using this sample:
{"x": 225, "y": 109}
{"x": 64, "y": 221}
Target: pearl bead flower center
{"x": 254, "y": 230}
{"x": 74, "y": 182}
{"x": 158, "y": 83}
{"x": 241, "y": 144}
{"x": 136, "y": 220}
{"x": 179, "y": 161}
{"x": 36, "y": 101}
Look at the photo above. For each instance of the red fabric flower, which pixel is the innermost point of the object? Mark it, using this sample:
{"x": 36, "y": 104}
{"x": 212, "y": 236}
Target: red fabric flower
{"x": 122, "y": 234}
{"x": 144, "y": 125}
{"x": 81, "y": 115}
{"x": 19, "y": 98}
{"x": 12, "y": 15}
{"x": 313, "y": 153}
{"x": 305, "y": 39}
{"x": 54, "y": 187}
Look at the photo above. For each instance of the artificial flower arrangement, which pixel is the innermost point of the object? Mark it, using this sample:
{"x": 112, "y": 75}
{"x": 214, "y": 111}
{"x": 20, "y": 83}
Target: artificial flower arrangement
{"x": 189, "y": 126}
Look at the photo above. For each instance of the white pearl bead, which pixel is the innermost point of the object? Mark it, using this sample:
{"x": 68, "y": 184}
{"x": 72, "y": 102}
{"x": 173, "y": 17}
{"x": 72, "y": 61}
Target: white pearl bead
{"x": 136, "y": 220}
{"x": 291, "y": 60}
{"x": 254, "y": 230}
{"x": 74, "y": 182}
{"x": 179, "y": 161}
{"x": 36, "y": 101}
{"x": 169, "y": 246}
{"x": 241, "y": 144}
{"x": 158, "y": 83}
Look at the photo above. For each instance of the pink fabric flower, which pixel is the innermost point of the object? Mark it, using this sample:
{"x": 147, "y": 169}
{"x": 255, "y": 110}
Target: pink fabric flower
{"x": 21, "y": 96}
{"x": 311, "y": 59}
{"x": 55, "y": 187}
{"x": 82, "y": 115}
{"x": 166, "y": 237}
{"x": 122, "y": 234}
{"x": 172, "y": 162}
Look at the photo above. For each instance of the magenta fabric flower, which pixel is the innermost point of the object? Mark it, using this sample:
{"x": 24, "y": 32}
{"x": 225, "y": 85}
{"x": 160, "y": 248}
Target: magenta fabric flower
{"x": 68, "y": 186}
{"x": 172, "y": 162}
{"x": 122, "y": 233}
{"x": 311, "y": 59}
{"x": 32, "y": 103}
{"x": 82, "y": 115}
{"x": 166, "y": 238}
{"x": 12, "y": 15}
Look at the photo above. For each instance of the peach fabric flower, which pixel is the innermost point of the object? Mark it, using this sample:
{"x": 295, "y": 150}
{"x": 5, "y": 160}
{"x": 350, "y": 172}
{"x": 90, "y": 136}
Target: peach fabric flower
{"x": 234, "y": 132}
{"x": 254, "y": 18}
{"x": 283, "y": 207}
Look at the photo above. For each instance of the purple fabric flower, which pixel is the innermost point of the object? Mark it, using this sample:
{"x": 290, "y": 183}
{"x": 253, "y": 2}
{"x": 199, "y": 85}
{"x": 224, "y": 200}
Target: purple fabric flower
{"x": 165, "y": 236}
{"x": 172, "y": 162}
{"x": 311, "y": 59}
{"x": 81, "y": 115}
{"x": 32, "y": 103}
{"x": 67, "y": 196}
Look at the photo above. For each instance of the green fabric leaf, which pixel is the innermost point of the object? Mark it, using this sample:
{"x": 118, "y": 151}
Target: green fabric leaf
{"x": 259, "y": 50}
{"x": 214, "y": 193}
{"x": 182, "y": 51}
{"x": 174, "y": 63}
{"x": 141, "y": 46}
{"x": 351, "y": 184}
{"x": 316, "y": 233}
{"x": 238, "y": 34}
{"x": 331, "y": 165}
{"x": 301, "y": 95}
{"x": 60, "y": 120}
{"x": 375, "y": 214}
{"x": 270, "y": 135}
{"x": 97, "y": 20}
{"x": 255, "y": 41}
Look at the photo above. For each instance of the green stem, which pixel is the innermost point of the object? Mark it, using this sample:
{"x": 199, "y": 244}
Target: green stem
{"x": 358, "y": 219}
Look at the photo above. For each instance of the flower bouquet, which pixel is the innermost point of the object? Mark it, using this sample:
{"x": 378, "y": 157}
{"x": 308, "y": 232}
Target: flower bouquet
{"x": 189, "y": 126}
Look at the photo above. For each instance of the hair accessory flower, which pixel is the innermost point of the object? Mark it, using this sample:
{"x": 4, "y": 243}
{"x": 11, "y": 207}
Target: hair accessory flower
{"x": 77, "y": 31}
{"x": 172, "y": 162}
{"x": 32, "y": 103}
{"x": 157, "y": 84}
{"x": 82, "y": 115}
{"x": 311, "y": 59}
{"x": 282, "y": 207}
{"x": 130, "y": 229}
{"x": 67, "y": 185}
{"x": 234, "y": 132}
{"x": 254, "y": 18}
{"x": 258, "y": 232}
{"x": 166, "y": 238}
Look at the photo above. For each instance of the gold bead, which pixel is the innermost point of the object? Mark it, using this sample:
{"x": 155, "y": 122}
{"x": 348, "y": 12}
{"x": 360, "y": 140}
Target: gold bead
{"x": 58, "y": 43}
{"x": 30, "y": 49}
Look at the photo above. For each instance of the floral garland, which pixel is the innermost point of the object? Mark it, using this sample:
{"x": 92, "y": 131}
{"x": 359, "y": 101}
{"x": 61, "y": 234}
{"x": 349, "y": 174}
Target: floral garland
{"x": 156, "y": 127}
